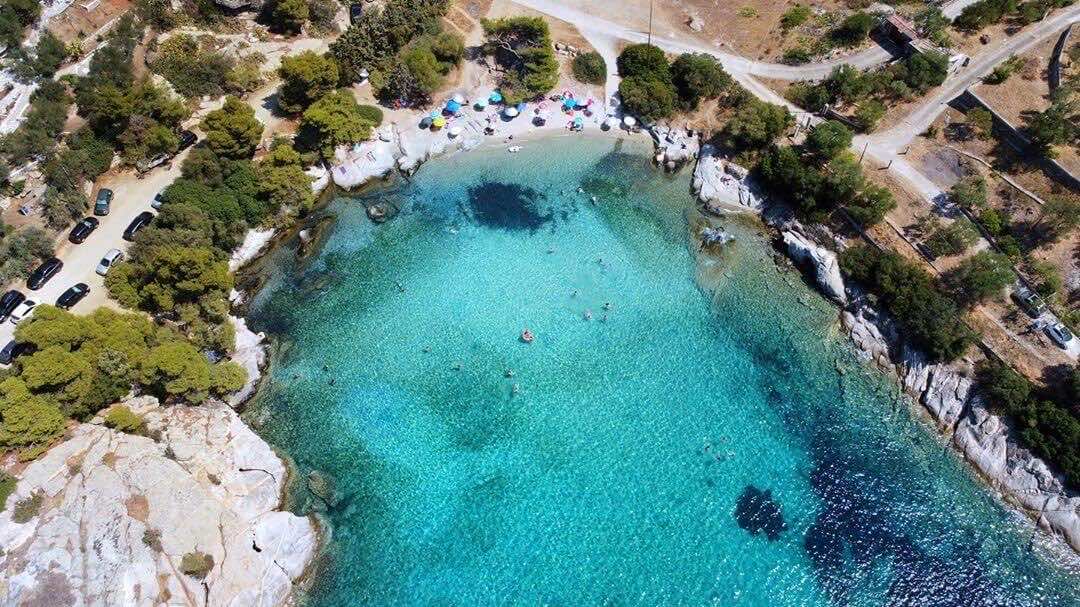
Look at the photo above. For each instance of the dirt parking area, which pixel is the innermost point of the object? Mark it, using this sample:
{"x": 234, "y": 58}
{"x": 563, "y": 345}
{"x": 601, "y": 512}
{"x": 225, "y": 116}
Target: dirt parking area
{"x": 80, "y": 23}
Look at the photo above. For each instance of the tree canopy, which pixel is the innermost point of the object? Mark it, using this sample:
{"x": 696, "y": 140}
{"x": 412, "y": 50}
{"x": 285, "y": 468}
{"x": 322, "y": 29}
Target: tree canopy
{"x": 232, "y": 131}
{"x": 334, "y": 120}
{"x": 304, "y": 79}
{"x": 522, "y": 46}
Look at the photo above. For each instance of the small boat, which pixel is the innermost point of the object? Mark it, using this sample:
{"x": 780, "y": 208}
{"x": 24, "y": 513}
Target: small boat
{"x": 527, "y": 336}
{"x": 514, "y": 149}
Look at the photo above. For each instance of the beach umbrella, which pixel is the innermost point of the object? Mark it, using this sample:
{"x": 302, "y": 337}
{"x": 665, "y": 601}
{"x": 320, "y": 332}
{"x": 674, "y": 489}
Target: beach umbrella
{"x": 521, "y": 107}
{"x": 453, "y": 106}
{"x": 454, "y": 131}
{"x": 434, "y": 114}
{"x": 425, "y": 122}
{"x": 481, "y": 104}
{"x": 629, "y": 120}
{"x": 579, "y": 123}
{"x": 459, "y": 98}
{"x": 611, "y": 122}
{"x": 569, "y": 103}
{"x": 495, "y": 97}
{"x": 439, "y": 122}
{"x": 511, "y": 112}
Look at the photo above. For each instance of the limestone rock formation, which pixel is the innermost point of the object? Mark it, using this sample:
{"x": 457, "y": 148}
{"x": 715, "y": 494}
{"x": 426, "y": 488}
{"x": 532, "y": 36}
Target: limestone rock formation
{"x": 119, "y": 512}
{"x": 722, "y": 185}
{"x": 826, "y": 268}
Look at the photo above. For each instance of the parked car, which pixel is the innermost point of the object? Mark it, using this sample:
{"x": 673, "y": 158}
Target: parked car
{"x": 23, "y": 311}
{"x": 1060, "y": 334}
{"x": 141, "y": 221}
{"x": 113, "y": 257}
{"x": 72, "y": 296}
{"x": 356, "y": 10}
{"x": 43, "y": 273}
{"x": 157, "y": 202}
{"x": 8, "y": 302}
{"x": 1030, "y": 302}
{"x": 143, "y": 166}
{"x": 187, "y": 139}
{"x": 7, "y": 353}
{"x": 103, "y": 202}
{"x": 83, "y": 229}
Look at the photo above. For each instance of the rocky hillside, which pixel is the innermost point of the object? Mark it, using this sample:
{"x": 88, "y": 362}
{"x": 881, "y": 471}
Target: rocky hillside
{"x": 117, "y": 519}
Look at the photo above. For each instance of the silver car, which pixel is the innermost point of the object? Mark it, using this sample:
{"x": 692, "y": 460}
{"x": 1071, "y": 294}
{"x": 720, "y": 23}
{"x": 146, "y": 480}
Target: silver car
{"x": 23, "y": 311}
{"x": 1060, "y": 334}
{"x": 113, "y": 257}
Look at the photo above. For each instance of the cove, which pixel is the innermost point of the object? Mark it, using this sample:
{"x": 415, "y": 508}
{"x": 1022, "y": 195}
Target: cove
{"x": 677, "y": 433}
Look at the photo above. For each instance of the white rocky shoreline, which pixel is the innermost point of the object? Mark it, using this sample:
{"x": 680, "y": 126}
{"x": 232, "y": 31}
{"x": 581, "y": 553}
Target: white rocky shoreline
{"x": 945, "y": 391}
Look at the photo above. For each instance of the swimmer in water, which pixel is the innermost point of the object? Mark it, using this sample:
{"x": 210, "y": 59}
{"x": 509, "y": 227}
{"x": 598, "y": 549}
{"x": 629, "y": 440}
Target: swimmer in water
{"x": 588, "y": 314}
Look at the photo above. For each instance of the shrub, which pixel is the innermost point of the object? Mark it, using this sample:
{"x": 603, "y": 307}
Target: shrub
{"x": 590, "y": 68}
{"x": 954, "y": 238}
{"x": 305, "y": 78}
{"x": 152, "y": 539}
{"x": 868, "y": 113}
{"x": 969, "y": 193}
{"x": 7, "y": 487}
{"x": 698, "y": 76}
{"x": 643, "y": 61}
{"x": 828, "y": 139}
{"x": 795, "y": 16}
{"x": 522, "y": 45}
{"x": 371, "y": 113}
{"x": 28, "y": 508}
{"x": 123, "y": 419}
{"x": 756, "y": 125}
{"x": 196, "y": 564}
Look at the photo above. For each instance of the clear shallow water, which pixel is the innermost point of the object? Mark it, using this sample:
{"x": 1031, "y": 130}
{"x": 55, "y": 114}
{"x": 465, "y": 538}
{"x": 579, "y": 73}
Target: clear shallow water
{"x": 630, "y": 468}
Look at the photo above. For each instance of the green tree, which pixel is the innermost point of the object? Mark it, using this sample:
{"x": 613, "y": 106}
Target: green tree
{"x": 425, "y": 69}
{"x": 522, "y": 46}
{"x": 590, "y": 68}
{"x": 871, "y": 205}
{"x": 282, "y": 180}
{"x": 980, "y": 277}
{"x": 854, "y": 29}
{"x": 756, "y": 125}
{"x": 868, "y": 113}
{"x": 643, "y": 61}
{"x": 304, "y": 79}
{"x": 169, "y": 277}
{"x": 448, "y": 48}
{"x": 177, "y": 370}
{"x": 647, "y": 98}
{"x": 698, "y": 76}
{"x": 1057, "y": 218}
{"x": 289, "y": 16}
{"x": 334, "y": 120}
{"x": 969, "y": 192}
{"x": 794, "y": 17}
{"x": 49, "y": 55}
{"x": 232, "y": 131}
{"x": 982, "y": 121}
{"x": 1057, "y": 125}
{"x": 27, "y": 419}
{"x": 953, "y": 238}
{"x": 926, "y": 70}
{"x": 123, "y": 419}
{"x": 828, "y": 139}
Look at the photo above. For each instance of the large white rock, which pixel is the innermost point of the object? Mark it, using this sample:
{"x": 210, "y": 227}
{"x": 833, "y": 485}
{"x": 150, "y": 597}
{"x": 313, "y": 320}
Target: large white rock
{"x": 826, "y": 268}
{"x": 250, "y": 353}
{"x": 208, "y": 484}
{"x": 721, "y": 188}
{"x": 255, "y": 242}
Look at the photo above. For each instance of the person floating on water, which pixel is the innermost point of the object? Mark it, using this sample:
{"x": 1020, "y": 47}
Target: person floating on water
{"x": 588, "y": 314}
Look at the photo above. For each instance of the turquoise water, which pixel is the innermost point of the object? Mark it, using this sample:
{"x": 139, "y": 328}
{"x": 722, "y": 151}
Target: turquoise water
{"x": 690, "y": 444}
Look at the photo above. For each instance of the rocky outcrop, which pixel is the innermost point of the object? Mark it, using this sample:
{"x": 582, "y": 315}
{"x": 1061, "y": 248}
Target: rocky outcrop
{"x": 250, "y": 353}
{"x": 723, "y": 186}
{"x": 821, "y": 260}
{"x": 255, "y": 242}
{"x": 118, "y": 513}
{"x": 982, "y": 437}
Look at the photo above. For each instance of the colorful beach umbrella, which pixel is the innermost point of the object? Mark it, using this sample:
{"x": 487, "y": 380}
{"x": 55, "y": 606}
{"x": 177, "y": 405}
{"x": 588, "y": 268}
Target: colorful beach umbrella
{"x": 495, "y": 97}
{"x": 481, "y": 104}
{"x": 459, "y": 98}
{"x": 425, "y": 122}
{"x": 569, "y": 103}
{"x": 511, "y": 112}
{"x": 453, "y": 106}
{"x": 521, "y": 107}
{"x": 439, "y": 122}
{"x": 454, "y": 131}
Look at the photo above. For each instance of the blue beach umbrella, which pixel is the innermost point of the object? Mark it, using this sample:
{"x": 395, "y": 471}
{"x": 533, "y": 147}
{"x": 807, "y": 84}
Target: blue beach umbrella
{"x": 569, "y": 103}
{"x": 453, "y": 106}
{"x": 495, "y": 97}
{"x": 521, "y": 107}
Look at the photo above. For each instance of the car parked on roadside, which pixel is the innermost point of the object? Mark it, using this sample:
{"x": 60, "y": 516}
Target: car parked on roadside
{"x": 7, "y": 353}
{"x": 43, "y": 273}
{"x": 8, "y": 302}
{"x": 187, "y": 139}
{"x": 141, "y": 221}
{"x": 72, "y": 296}
{"x": 1029, "y": 301}
{"x": 1060, "y": 334}
{"x": 113, "y": 257}
{"x": 84, "y": 228}
{"x": 23, "y": 311}
{"x": 157, "y": 202}
{"x": 143, "y": 166}
{"x": 356, "y": 10}
{"x": 103, "y": 202}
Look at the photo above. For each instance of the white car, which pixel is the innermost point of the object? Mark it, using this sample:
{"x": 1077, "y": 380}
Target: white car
{"x": 157, "y": 202}
{"x": 22, "y": 311}
{"x": 1060, "y": 334}
{"x": 113, "y": 257}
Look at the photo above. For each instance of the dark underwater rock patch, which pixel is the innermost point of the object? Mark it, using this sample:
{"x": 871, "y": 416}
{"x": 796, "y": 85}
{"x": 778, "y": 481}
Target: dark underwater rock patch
{"x": 507, "y": 206}
{"x": 757, "y": 512}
